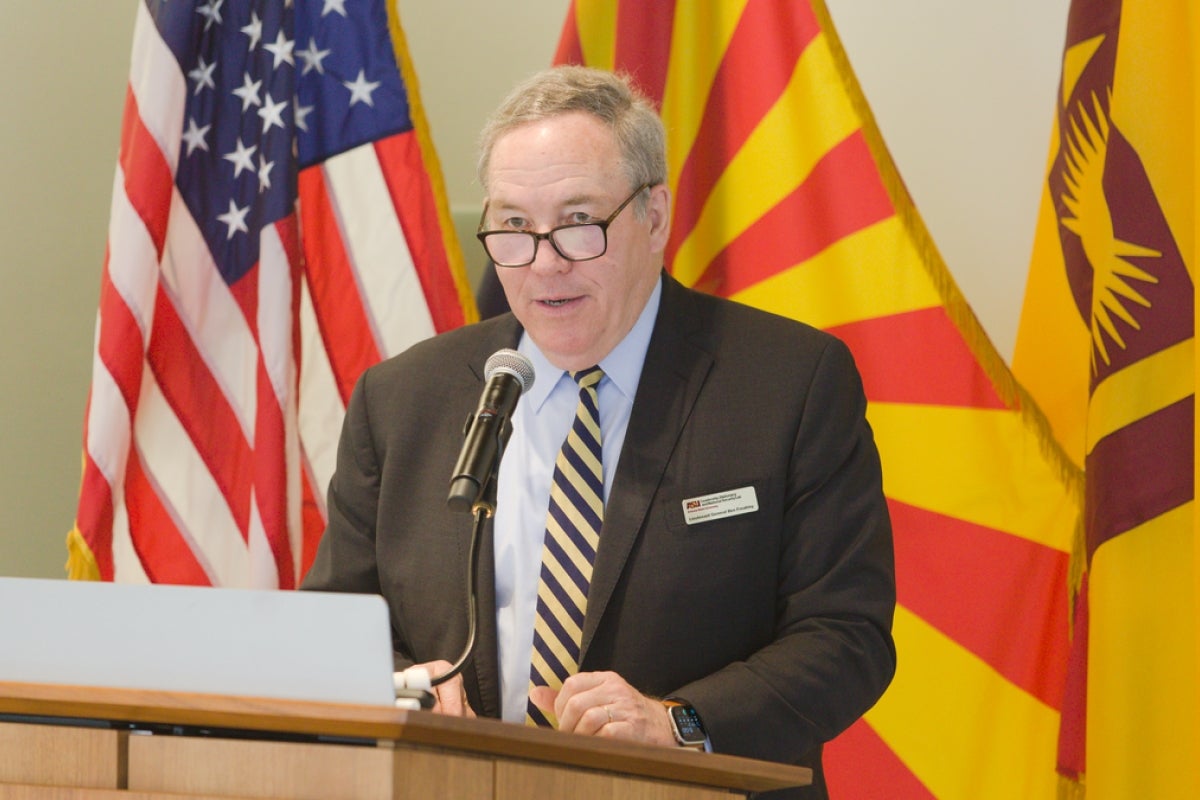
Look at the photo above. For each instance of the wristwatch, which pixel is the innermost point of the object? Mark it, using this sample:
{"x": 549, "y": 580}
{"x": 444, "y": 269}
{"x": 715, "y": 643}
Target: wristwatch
{"x": 686, "y": 725}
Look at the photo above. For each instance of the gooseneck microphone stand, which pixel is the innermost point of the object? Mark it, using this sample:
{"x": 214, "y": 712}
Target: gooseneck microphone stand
{"x": 482, "y": 510}
{"x": 410, "y": 686}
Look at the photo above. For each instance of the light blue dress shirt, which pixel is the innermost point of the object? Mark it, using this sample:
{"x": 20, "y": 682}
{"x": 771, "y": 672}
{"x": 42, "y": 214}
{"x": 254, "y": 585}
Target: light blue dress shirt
{"x": 540, "y": 424}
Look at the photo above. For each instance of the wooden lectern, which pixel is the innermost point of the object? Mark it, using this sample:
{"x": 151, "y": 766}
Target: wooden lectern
{"x": 68, "y": 743}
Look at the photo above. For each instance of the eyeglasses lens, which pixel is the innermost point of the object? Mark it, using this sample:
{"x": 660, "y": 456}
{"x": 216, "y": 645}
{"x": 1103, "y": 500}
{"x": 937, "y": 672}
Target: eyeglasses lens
{"x": 579, "y": 242}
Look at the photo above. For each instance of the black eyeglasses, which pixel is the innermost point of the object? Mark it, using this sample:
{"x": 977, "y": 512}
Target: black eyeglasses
{"x": 575, "y": 242}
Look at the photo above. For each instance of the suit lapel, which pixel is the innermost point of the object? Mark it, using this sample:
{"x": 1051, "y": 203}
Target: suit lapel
{"x": 675, "y": 368}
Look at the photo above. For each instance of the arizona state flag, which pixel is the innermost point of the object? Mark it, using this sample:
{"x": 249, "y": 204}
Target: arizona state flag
{"x": 786, "y": 199}
{"x": 1106, "y": 345}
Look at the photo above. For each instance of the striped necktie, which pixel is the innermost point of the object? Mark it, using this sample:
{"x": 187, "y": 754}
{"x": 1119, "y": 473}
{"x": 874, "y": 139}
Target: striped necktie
{"x": 572, "y": 533}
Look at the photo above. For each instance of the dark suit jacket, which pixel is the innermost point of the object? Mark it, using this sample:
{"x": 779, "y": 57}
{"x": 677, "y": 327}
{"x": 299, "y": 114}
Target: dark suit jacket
{"x": 775, "y": 624}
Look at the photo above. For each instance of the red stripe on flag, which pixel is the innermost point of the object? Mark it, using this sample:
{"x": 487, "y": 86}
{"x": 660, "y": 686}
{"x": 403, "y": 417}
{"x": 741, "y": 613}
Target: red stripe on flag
{"x": 270, "y": 478}
{"x": 202, "y": 409}
{"x": 1002, "y": 597}
{"x": 569, "y": 51}
{"x": 757, "y": 66}
{"x": 244, "y": 292}
{"x": 417, "y": 209}
{"x": 860, "y": 765}
{"x": 842, "y": 195}
{"x": 95, "y": 516}
{"x": 120, "y": 344}
{"x": 148, "y": 179}
{"x": 341, "y": 316}
{"x": 643, "y": 47}
{"x": 918, "y": 357}
{"x": 314, "y": 522}
{"x": 163, "y": 551}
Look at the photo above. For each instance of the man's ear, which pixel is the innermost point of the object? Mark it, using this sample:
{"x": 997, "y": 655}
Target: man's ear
{"x": 658, "y": 211}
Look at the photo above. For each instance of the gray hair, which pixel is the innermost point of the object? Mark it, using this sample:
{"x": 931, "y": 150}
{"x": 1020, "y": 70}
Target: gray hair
{"x": 609, "y": 97}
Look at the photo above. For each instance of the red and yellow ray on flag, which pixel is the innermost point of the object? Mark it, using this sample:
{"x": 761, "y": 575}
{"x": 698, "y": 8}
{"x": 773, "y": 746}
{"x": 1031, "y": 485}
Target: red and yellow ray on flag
{"x": 1106, "y": 345}
{"x": 786, "y": 199}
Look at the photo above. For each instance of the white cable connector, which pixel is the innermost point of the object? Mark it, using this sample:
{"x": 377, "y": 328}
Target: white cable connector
{"x": 412, "y": 679}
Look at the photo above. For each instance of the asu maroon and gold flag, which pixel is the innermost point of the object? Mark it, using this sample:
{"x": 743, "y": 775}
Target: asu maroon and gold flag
{"x": 1106, "y": 345}
{"x": 786, "y": 199}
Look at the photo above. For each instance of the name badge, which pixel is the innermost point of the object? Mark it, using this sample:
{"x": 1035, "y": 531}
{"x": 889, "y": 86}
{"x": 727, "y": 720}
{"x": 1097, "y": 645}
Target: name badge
{"x": 720, "y": 504}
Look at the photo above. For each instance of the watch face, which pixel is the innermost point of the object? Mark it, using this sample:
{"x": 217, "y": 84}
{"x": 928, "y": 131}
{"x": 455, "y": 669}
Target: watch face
{"x": 687, "y": 723}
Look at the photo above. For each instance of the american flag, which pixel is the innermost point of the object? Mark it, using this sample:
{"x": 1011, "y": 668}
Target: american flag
{"x": 277, "y": 225}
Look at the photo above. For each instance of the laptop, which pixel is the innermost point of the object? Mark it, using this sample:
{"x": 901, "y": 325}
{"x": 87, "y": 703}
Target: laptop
{"x": 254, "y": 643}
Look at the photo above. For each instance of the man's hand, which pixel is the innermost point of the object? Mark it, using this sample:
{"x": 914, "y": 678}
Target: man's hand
{"x": 451, "y": 696}
{"x": 603, "y": 704}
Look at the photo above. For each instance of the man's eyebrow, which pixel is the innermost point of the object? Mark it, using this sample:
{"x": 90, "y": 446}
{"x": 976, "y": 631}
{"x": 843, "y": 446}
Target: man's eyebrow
{"x": 581, "y": 200}
{"x": 573, "y": 200}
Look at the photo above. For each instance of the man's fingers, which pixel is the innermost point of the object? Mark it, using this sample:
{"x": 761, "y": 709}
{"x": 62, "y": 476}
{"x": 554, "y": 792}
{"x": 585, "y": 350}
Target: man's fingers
{"x": 450, "y": 698}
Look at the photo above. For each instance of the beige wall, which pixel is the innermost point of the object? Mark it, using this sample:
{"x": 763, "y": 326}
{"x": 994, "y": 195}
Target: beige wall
{"x": 963, "y": 92}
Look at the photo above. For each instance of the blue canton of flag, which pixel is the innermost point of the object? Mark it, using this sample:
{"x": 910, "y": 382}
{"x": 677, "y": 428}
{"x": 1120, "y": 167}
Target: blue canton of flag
{"x": 267, "y": 80}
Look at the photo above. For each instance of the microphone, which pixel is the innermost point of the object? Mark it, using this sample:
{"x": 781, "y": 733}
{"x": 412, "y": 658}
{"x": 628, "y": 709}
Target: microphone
{"x": 508, "y": 374}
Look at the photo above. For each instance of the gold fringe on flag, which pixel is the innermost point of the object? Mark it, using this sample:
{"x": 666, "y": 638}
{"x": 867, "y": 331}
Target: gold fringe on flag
{"x": 1069, "y": 789}
{"x": 433, "y": 169}
{"x": 81, "y": 563}
{"x": 1011, "y": 392}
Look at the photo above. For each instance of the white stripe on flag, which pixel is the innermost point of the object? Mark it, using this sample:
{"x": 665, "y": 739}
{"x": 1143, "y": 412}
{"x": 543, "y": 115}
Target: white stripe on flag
{"x": 107, "y": 424}
{"x": 132, "y": 258}
{"x": 159, "y": 86}
{"x": 275, "y": 325}
{"x": 261, "y": 561}
{"x": 377, "y": 250}
{"x": 321, "y": 408}
{"x": 210, "y": 314}
{"x": 127, "y": 567}
{"x": 187, "y": 489}
{"x": 275, "y": 312}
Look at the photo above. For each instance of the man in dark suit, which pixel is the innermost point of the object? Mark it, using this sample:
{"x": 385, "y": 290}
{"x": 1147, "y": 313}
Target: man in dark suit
{"x": 744, "y": 565}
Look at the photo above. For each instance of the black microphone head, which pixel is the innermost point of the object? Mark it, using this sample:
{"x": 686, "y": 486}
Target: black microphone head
{"x": 511, "y": 362}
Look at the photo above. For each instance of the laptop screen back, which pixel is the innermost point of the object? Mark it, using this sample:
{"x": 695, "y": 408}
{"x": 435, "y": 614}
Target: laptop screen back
{"x": 253, "y": 643}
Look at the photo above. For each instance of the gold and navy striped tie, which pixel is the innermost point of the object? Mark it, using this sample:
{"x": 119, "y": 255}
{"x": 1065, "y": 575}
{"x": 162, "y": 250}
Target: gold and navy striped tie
{"x": 572, "y": 534}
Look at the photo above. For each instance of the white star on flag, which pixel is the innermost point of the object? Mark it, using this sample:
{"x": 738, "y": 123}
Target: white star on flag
{"x": 253, "y": 30}
{"x": 361, "y": 89}
{"x": 193, "y": 137}
{"x": 313, "y": 57}
{"x": 235, "y": 218}
{"x": 248, "y": 91}
{"x": 203, "y": 75}
{"x": 241, "y": 158}
{"x": 281, "y": 49}
{"x": 272, "y": 113}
